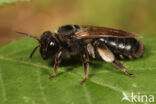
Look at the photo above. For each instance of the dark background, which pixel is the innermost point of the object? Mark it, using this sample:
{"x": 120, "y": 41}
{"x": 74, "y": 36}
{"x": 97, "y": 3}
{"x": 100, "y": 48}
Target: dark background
{"x": 36, "y": 16}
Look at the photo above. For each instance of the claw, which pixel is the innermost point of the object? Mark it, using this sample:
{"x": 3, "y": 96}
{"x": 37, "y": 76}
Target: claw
{"x": 52, "y": 76}
{"x": 83, "y": 81}
{"x": 129, "y": 74}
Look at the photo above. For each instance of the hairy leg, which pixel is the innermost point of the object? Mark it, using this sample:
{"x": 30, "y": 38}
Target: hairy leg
{"x": 122, "y": 68}
{"x": 85, "y": 61}
{"x": 58, "y": 59}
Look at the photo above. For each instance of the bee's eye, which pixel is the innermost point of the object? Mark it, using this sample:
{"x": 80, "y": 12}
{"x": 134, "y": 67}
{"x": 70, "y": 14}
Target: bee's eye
{"x": 52, "y": 44}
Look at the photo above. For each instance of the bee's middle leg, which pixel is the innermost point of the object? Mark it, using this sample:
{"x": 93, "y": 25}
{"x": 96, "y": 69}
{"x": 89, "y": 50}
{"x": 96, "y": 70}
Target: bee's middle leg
{"x": 85, "y": 60}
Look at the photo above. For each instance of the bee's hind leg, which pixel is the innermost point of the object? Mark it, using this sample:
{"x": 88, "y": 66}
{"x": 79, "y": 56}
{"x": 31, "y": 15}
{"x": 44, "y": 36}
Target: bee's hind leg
{"x": 107, "y": 55}
{"x": 122, "y": 68}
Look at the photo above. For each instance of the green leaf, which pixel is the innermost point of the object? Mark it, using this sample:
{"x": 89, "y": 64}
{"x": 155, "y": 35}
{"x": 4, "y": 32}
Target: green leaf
{"x": 25, "y": 81}
{"x": 10, "y": 1}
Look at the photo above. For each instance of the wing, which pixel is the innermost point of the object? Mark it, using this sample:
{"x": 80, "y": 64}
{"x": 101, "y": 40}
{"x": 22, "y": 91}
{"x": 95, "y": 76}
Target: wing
{"x": 92, "y": 32}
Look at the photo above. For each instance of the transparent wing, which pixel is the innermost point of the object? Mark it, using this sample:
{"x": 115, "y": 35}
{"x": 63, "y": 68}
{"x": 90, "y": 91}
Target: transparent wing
{"x": 92, "y": 32}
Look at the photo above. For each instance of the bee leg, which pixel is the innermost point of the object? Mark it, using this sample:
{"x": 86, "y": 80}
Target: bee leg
{"x": 122, "y": 68}
{"x": 108, "y": 56}
{"x": 58, "y": 59}
{"x": 85, "y": 60}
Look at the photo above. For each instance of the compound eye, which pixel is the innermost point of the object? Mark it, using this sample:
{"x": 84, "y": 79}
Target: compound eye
{"x": 52, "y": 43}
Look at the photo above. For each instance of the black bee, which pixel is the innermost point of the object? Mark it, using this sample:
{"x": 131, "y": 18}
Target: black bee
{"x": 109, "y": 44}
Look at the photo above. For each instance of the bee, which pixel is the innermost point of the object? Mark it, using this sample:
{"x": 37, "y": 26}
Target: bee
{"x": 111, "y": 45}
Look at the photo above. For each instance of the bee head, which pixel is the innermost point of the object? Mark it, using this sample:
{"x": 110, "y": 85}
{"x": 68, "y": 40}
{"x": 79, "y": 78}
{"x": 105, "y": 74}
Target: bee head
{"x": 47, "y": 43}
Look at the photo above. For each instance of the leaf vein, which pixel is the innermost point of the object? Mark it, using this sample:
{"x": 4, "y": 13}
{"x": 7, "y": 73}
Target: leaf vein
{"x": 87, "y": 95}
{"x": 99, "y": 83}
{"x": 41, "y": 88}
{"x": 3, "y": 89}
{"x": 46, "y": 67}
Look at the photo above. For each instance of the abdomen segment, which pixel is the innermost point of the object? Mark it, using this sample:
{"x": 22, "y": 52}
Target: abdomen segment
{"x": 124, "y": 48}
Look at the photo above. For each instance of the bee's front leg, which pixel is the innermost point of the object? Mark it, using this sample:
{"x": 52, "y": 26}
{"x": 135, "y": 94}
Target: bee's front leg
{"x": 58, "y": 59}
{"x": 85, "y": 60}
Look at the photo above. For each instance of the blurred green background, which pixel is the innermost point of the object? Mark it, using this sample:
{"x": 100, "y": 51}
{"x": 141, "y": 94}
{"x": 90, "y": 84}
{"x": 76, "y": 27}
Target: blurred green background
{"x": 36, "y": 16}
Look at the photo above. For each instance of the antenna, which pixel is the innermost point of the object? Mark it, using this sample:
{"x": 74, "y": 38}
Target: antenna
{"x": 29, "y": 35}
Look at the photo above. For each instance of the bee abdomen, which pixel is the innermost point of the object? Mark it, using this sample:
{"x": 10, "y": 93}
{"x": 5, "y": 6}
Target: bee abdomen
{"x": 124, "y": 48}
